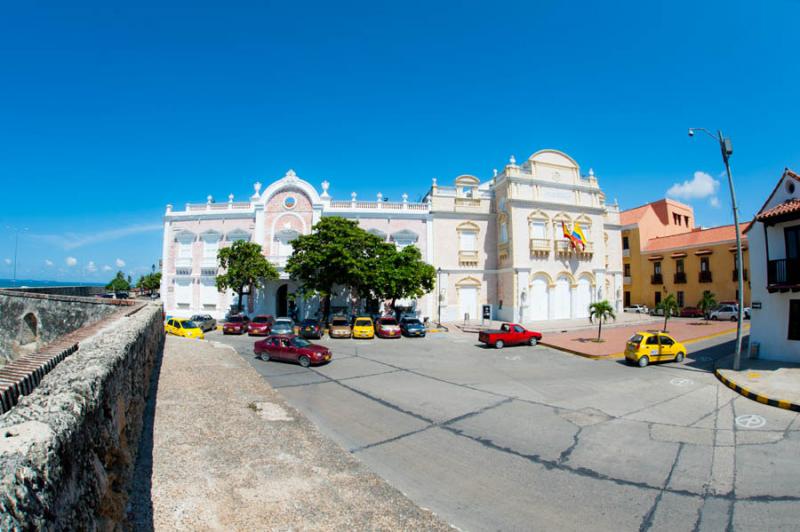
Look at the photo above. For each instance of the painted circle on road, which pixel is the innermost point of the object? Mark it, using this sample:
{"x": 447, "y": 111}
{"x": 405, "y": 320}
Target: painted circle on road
{"x": 750, "y": 421}
{"x": 681, "y": 382}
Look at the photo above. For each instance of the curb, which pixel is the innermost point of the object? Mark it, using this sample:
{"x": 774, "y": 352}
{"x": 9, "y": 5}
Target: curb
{"x": 763, "y": 399}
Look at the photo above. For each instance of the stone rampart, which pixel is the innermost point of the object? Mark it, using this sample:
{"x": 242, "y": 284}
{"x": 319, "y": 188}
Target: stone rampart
{"x": 67, "y": 450}
{"x": 79, "y": 291}
{"x": 30, "y": 320}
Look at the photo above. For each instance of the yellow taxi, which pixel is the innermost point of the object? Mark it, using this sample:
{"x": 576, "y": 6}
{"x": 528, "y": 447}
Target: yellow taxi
{"x": 646, "y": 347}
{"x": 185, "y": 328}
{"x": 363, "y": 328}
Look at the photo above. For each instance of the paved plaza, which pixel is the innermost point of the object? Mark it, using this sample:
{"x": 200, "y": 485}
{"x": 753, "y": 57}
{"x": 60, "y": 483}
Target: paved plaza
{"x": 534, "y": 438}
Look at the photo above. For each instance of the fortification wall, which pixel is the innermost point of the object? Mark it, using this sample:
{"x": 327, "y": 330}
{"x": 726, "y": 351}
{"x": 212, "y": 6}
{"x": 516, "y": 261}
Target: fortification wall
{"x": 67, "y": 450}
{"x": 79, "y": 291}
{"x": 30, "y": 320}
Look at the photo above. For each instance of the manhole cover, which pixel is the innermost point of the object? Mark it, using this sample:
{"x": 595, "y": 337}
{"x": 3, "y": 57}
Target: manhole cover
{"x": 681, "y": 382}
{"x": 750, "y": 421}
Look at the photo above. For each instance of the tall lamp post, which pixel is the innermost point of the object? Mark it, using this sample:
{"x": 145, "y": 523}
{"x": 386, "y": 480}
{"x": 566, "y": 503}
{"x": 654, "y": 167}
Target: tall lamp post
{"x": 439, "y": 292}
{"x": 16, "y": 247}
{"x": 726, "y": 148}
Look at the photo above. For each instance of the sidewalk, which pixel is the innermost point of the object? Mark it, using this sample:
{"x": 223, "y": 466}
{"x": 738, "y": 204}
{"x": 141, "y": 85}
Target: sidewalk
{"x": 623, "y": 319}
{"x": 766, "y": 381}
{"x": 221, "y": 450}
{"x": 686, "y": 330}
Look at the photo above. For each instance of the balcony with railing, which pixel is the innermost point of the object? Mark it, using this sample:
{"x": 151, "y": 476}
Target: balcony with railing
{"x": 656, "y": 278}
{"x": 735, "y": 275}
{"x": 209, "y": 262}
{"x": 183, "y": 262}
{"x": 540, "y": 245}
{"x": 467, "y": 202}
{"x": 783, "y": 274}
{"x": 467, "y": 258}
{"x": 626, "y": 252}
{"x": 626, "y": 280}
{"x": 565, "y": 247}
{"x": 705, "y": 276}
{"x": 680, "y": 278}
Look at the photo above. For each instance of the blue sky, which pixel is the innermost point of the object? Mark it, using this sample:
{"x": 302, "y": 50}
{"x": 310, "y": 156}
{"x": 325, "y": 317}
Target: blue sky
{"x": 108, "y": 113}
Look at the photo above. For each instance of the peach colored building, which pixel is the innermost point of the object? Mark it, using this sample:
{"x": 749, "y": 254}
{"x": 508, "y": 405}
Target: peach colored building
{"x": 498, "y": 243}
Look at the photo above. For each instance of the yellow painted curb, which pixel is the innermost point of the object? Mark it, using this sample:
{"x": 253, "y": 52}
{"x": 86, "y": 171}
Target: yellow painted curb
{"x": 763, "y": 399}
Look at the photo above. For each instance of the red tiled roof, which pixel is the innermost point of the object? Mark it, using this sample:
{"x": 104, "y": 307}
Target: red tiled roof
{"x": 699, "y": 237}
{"x": 787, "y": 207}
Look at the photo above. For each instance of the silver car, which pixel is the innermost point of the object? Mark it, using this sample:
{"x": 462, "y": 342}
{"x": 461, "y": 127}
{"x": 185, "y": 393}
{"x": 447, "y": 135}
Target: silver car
{"x": 283, "y": 326}
{"x": 205, "y": 322}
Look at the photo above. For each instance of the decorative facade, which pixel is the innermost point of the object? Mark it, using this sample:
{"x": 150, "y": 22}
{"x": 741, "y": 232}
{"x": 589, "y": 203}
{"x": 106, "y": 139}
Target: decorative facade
{"x": 498, "y": 243}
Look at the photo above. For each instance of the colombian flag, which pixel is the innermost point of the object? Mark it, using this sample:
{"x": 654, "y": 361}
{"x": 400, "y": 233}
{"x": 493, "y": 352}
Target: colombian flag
{"x": 577, "y": 235}
{"x": 569, "y": 236}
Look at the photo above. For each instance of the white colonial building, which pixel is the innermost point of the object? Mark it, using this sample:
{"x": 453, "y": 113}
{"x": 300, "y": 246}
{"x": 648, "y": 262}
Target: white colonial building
{"x": 497, "y": 243}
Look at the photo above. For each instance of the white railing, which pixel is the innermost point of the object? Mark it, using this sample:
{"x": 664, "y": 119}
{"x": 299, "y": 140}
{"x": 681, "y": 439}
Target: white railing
{"x": 239, "y": 205}
{"x": 564, "y": 247}
{"x": 379, "y": 205}
{"x": 467, "y": 257}
{"x": 209, "y": 262}
{"x": 468, "y": 202}
{"x": 183, "y": 262}
{"x": 626, "y": 252}
{"x": 540, "y": 244}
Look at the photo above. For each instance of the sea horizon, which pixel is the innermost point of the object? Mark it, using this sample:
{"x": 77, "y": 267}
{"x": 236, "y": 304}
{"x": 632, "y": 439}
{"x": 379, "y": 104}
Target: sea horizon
{"x": 34, "y": 283}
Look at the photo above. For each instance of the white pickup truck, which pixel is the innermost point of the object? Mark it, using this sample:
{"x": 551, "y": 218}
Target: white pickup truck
{"x": 638, "y": 309}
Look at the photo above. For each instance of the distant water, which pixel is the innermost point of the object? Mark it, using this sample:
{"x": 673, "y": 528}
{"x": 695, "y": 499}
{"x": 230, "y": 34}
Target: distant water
{"x": 9, "y": 283}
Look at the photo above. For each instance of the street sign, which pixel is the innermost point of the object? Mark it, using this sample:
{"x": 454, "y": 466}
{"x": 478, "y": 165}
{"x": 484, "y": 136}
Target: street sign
{"x": 755, "y": 305}
{"x": 487, "y": 312}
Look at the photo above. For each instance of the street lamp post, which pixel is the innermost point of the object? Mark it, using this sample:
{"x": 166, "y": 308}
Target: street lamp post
{"x": 727, "y": 150}
{"x": 16, "y": 247}
{"x": 439, "y": 292}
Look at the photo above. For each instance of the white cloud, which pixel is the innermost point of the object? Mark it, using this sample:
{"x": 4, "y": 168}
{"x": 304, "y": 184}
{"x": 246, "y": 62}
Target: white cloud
{"x": 120, "y": 263}
{"x": 7, "y": 261}
{"x": 69, "y": 241}
{"x": 91, "y": 267}
{"x": 714, "y": 202}
{"x": 701, "y": 186}
{"x": 48, "y": 263}
{"x": 107, "y": 268}
{"x": 71, "y": 261}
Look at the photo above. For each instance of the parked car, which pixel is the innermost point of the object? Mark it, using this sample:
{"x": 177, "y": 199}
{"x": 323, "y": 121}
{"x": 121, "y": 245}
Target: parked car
{"x": 638, "y": 309}
{"x": 283, "y": 326}
{"x": 205, "y": 322}
{"x": 509, "y": 334}
{"x": 339, "y": 328}
{"x": 387, "y": 327}
{"x": 412, "y": 327}
{"x": 691, "y": 312}
{"x": 363, "y": 328}
{"x": 291, "y": 348}
{"x": 184, "y": 328}
{"x": 660, "y": 312}
{"x": 724, "y": 312}
{"x": 310, "y": 328}
{"x": 646, "y": 347}
{"x": 235, "y": 324}
{"x": 260, "y": 325}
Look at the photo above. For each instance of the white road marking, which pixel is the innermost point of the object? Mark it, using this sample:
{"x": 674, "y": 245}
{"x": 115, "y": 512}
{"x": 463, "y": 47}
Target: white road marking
{"x": 681, "y": 382}
{"x": 750, "y": 421}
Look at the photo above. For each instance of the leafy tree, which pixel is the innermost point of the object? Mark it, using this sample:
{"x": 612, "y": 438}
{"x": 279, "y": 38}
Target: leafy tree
{"x": 245, "y": 266}
{"x": 149, "y": 282}
{"x": 336, "y": 252}
{"x": 601, "y": 311}
{"x": 670, "y": 306}
{"x": 707, "y": 303}
{"x": 119, "y": 283}
{"x": 401, "y": 274}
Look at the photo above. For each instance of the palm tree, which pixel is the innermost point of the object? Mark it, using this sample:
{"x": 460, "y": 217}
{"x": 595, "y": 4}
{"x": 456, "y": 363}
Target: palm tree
{"x": 601, "y": 310}
{"x": 670, "y": 306}
{"x": 707, "y": 303}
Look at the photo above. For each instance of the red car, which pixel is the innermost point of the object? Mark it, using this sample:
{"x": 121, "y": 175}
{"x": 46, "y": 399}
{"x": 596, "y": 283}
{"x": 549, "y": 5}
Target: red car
{"x": 509, "y": 334}
{"x": 387, "y": 328}
{"x": 691, "y": 312}
{"x": 235, "y": 325}
{"x": 291, "y": 348}
{"x": 260, "y": 326}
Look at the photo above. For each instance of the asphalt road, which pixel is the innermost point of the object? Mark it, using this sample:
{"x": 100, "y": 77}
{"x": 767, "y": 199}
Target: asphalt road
{"x": 532, "y": 438}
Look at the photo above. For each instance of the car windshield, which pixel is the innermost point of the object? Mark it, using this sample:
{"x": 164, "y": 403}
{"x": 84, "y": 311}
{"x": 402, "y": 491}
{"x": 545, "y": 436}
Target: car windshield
{"x": 282, "y": 323}
{"x": 389, "y": 321}
{"x": 300, "y": 342}
{"x": 636, "y": 338}
{"x": 363, "y": 323}
{"x": 235, "y": 319}
{"x": 189, "y": 324}
{"x": 412, "y": 322}
{"x": 197, "y": 318}
{"x": 261, "y": 319}
{"x": 341, "y": 322}
{"x": 309, "y": 322}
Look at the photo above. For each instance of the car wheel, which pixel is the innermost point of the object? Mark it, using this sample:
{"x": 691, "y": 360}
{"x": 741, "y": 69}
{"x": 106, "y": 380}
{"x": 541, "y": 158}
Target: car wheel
{"x": 679, "y": 357}
{"x": 734, "y": 318}
{"x": 304, "y": 361}
{"x": 533, "y": 341}
{"x": 644, "y": 361}
{"x": 499, "y": 344}
{"x": 713, "y": 318}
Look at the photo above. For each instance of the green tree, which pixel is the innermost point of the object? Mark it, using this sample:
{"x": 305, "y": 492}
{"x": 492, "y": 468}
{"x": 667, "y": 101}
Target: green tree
{"x": 601, "y": 311}
{"x": 336, "y": 253}
{"x": 706, "y": 303}
{"x": 245, "y": 266}
{"x": 401, "y": 274}
{"x": 670, "y": 306}
{"x": 149, "y": 282}
{"x": 119, "y": 283}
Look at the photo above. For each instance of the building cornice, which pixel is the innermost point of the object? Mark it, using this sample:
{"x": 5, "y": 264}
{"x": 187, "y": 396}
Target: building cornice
{"x": 559, "y": 206}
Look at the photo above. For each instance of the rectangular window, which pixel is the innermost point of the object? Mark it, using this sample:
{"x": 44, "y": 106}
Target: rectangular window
{"x": 627, "y": 268}
{"x": 185, "y": 250}
{"x": 658, "y": 298}
{"x": 538, "y": 230}
{"x": 676, "y": 218}
{"x": 625, "y": 244}
{"x": 680, "y": 298}
{"x": 210, "y": 248}
{"x": 468, "y": 241}
{"x": 686, "y": 219}
{"x": 679, "y": 265}
{"x": 792, "y": 235}
{"x": 657, "y": 268}
{"x": 794, "y": 319}
{"x": 703, "y": 264}
{"x": 627, "y": 299}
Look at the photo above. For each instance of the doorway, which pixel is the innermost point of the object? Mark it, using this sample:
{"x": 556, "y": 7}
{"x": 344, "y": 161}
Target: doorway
{"x": 282, "y": 301}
